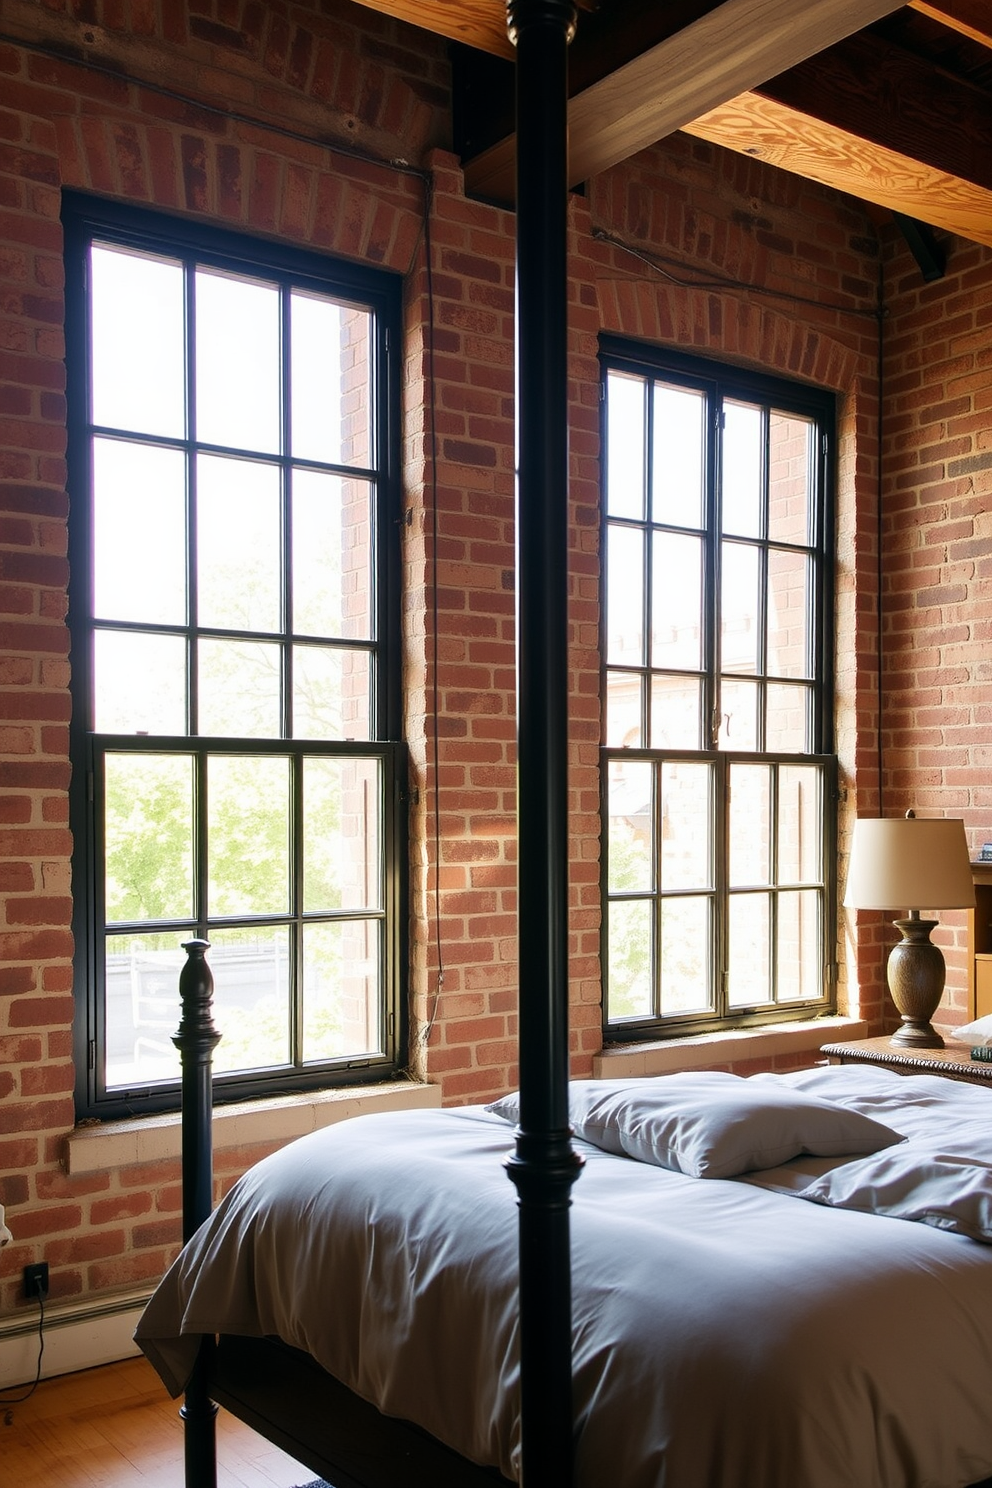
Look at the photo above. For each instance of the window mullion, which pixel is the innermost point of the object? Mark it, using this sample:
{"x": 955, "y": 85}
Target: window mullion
{"x": 647, "y": 564}
{"x": 192, "y": 538}
{"x": 721, "y": 881}
{"x": 201, "y": 845}
{"x": 712, "y": 608}
{"x": 285, "y": 514}
{"x": 296, "y": 969}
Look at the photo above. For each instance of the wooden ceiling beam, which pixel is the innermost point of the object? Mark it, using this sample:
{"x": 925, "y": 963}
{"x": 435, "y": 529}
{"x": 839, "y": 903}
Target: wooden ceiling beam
{"x": 892, "y": 98}
{"x": 756, "y": 125}
{"x": 476, "y": 23}
{"x": 725, "y": 52}
{"x": 972, "y": 18}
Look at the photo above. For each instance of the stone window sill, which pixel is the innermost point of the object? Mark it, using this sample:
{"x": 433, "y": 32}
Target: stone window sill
{"x": 775, "y": 1041}
{"x": 115, "y": 1144}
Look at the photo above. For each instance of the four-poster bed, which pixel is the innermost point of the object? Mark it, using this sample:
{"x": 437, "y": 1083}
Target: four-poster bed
{"x": 639, "y": 1371}
{"x": 778, "y": 1280}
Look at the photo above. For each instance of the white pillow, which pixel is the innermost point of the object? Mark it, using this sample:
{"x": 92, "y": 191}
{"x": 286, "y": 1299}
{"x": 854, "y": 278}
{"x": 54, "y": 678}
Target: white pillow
{"x": 711, "y": 1124}
{"x": 979, "y": 1032}
{"x": 943, "y": 1181}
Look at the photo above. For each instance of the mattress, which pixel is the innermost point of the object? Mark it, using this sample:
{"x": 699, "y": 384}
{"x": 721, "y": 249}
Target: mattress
{"x": 727, "y": 1331}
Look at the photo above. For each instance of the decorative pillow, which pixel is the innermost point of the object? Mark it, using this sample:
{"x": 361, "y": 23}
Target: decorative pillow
{"x": 979, "y": 1032}
{"x": 711, "y": 1124}
{"x": 944, "y": 1181}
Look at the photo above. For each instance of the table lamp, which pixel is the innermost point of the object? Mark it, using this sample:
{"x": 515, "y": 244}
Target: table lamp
{"x": 899, "y": 862}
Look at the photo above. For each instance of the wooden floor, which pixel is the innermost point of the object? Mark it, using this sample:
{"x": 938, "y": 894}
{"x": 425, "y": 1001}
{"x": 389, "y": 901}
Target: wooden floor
{"x": 115, "y": 1427}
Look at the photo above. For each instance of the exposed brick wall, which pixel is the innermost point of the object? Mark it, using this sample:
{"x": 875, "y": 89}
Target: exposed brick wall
{"x": 247, "y": 116}
{"x": 937, "y": 553}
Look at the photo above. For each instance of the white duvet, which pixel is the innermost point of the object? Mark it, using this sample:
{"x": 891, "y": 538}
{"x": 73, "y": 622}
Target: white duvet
{"x": 727, "y": 1334}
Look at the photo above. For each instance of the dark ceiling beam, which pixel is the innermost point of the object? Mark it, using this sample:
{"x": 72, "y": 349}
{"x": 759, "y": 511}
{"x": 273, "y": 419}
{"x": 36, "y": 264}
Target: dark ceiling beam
{"x": 972, "y": 18}
{"x": 892, "y": 98}
{"x": 727, "y": 50}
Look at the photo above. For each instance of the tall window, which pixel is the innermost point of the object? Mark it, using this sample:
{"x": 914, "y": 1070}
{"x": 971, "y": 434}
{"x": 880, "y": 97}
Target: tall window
{"x": 718, "y": 787}
{"x": 233, "y": 609}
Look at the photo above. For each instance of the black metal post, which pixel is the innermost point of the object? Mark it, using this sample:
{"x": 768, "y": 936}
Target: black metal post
{"x": 544, "y": 1165}
{"x": 196, "y": 1039}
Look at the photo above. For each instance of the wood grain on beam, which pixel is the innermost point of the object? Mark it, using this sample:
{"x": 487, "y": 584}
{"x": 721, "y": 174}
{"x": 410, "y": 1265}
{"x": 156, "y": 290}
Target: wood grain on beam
{"x": 973, "y": 18}
{"x": 890, "y": 97}
{"x": 731, "y": 49}
{"x": 770, "y": 131}
{"x": 477, "y": 23}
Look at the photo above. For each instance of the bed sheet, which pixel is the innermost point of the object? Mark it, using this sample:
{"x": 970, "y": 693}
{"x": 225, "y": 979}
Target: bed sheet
{"x": 725, "y": 1333}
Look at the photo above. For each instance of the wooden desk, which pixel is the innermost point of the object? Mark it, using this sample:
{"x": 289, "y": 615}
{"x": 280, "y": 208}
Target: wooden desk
{"x": 954, "y": 1061}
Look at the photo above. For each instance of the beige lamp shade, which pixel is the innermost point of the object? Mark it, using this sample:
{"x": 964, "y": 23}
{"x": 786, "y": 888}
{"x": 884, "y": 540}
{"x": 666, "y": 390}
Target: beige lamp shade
{"x": 909, "y": 862}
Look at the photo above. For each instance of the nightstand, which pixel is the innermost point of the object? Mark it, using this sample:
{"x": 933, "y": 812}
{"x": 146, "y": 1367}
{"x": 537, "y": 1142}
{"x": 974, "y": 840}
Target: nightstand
{"x": 954, "y": 1061}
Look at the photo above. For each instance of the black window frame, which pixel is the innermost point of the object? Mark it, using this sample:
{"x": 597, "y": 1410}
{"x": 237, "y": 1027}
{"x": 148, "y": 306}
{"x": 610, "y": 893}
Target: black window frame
{"x": 717, "y": 382}
{"x": 86, "y": 219}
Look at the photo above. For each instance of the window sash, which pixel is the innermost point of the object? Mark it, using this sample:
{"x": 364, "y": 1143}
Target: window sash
{"x": 303, "y": 917}
{"x": 717, "y": 486}
{"x": 274, "y": 484}
{"x": 683, "y": 884}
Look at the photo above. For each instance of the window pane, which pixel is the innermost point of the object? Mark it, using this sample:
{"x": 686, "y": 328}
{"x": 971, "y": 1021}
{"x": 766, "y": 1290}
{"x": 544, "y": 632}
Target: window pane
{"x": 630, "y": 975}
{"x": 331, "y": 693}
{"x": 677, "y": 466}
{"x": 630, "y": 827}
{"x": 342, "y": 802}
{"x": 138, "y": 320}
{"x": 790, "y": 450}
{"x": 787, "y": 718}
{"x": 623, "y": 710}
{"x": 788, "y": 614}
{"x": 330, "y": 409}
{"x": 248, "y": 837}
{"x": 239, "y": 544}
{"x": 238, "y": 365}
{"x": 738, "y": 715}
{"x": 139, "y": 683}
{"x": 148, "y": 836}
{"x": 749, "y": 950}
{"x": 332, "y": 556}
{"x": 750, "y": 824}
{"x": 251, "y": 997}
{"x": 141, "y": 990}
{"x": 676, "y": 712}
{"x": 625, "y": 446}
{"x": 139, "y": 533}
{"x": 799, "y": 973}
{"x": 685, "y": 956}
{"x": 739, "y": 630}
{"x": 240, "y": 690}
{"x": 800, "y": 823}
{"x": 341, "y": 974}
{"x": 742, "y": 469}
{"x": 677, "y": 602}
{"x": 686, "y": 825}
{"x": 625, "y": 596}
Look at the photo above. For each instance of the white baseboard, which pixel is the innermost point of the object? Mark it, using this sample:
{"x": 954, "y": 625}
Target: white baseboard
{"x": 78, "y": 1335}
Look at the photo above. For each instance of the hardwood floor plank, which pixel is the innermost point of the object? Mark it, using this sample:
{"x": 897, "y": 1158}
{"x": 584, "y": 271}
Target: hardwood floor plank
{"x": 116, "y": 1427}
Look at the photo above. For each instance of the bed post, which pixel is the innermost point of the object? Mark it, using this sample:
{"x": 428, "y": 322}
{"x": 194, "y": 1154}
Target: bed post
{"x": 544, "y": 1165}
{"x": 195, "y": 1040}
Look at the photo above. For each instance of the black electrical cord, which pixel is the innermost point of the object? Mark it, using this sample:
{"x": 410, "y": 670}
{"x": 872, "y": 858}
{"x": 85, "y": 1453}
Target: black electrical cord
{"x": 17, "y": 1399}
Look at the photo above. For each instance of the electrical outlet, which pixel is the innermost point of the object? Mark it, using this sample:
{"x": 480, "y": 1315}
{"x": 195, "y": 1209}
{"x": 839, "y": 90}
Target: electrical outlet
{"x": 36, "y": 1280}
